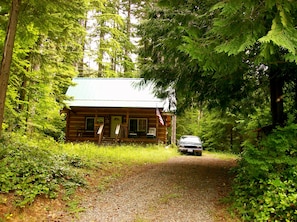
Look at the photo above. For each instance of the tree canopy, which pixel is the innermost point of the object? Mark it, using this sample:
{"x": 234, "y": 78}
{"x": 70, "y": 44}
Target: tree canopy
{"x": 223, "y": 53}
{"x": 52, "y": 40}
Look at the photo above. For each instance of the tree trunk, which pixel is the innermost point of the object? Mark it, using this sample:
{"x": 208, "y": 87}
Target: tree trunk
{"x": 80, "y": 65}
{"x": 276, "y": 96}
{"x": 295, "y": 98}
{"x": 7, "y": 55}
{"x": 231, "y": 138}
{"x": 128, "y": 30}
{"x": 101, "y": 51}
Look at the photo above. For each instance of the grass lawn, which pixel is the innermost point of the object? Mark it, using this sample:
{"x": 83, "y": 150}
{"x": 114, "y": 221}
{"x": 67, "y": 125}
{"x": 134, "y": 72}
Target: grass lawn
{"x": 119, "y": 154}
{"x": 39, "y": 176}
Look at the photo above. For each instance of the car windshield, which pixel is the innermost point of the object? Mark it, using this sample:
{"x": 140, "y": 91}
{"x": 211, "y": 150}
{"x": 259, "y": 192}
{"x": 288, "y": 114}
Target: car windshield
{"x": 191, "y": 139}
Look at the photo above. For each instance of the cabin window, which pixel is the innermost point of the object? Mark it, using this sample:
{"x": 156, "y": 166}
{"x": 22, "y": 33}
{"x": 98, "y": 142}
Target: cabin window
{"x": 90, "y": 123}
{"x": 137, "y": 124}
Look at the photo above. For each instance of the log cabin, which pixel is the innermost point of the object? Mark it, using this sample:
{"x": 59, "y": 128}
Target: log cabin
{"x": 105, "y": 110}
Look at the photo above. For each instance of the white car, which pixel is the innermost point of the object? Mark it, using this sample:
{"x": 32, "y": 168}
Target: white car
{"x": 190, "y": 144}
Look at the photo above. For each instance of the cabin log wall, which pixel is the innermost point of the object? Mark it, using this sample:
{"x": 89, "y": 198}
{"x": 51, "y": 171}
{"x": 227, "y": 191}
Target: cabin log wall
{"x": 76, "y": 123}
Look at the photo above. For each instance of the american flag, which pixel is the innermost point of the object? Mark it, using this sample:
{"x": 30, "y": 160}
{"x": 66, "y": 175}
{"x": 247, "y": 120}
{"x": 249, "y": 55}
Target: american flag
{"x": 159, "y": 116}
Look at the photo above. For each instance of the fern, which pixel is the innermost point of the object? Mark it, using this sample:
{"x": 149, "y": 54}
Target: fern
{"x": 281, "y": 36}
{"x": 267, "y": 177}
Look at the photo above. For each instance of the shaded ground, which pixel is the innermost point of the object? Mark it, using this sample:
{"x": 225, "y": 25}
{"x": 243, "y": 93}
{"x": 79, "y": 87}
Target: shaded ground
{"x": 186, "y": 188}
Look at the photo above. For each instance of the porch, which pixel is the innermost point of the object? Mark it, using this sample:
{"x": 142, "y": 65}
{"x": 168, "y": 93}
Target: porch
{"x": 115, "y": 125}
{"x": 121, "y": 136}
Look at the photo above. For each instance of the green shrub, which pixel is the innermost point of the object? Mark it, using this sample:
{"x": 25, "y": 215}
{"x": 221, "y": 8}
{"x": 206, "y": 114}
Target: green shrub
{"x": 41, "y": 166}
{"x": 29, "y": 170}
{"x": 264, "y": 188}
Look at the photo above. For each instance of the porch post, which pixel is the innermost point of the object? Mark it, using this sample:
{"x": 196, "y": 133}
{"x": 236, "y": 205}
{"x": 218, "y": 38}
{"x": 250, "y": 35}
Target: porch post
{"x": 173, "y": 130}
{"x": 127, "y": 124}
{"x": 157, "y": 128}
{"x": 67, "y": 124}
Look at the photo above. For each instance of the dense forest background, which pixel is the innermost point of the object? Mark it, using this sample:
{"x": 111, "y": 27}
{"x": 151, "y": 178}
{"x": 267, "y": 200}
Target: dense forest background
{"x": 249, "y": 84}
{"x": 232, "y": 64}
{"x": 56, "y": 41}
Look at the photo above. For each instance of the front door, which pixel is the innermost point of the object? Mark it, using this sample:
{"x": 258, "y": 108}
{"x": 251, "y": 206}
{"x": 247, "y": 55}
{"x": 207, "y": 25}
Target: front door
{"x": 115, "y": 120}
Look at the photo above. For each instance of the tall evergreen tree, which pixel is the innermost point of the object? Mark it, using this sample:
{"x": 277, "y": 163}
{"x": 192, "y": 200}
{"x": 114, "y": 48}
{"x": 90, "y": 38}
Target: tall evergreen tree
{"x": 222, "y": 52}
{"x": 260, "y": 35}
{"x": 7, "y": 55}
{"x": 160, "y": 55}
{"x": 109, "y": 42}
{"x": 47, "y": 47}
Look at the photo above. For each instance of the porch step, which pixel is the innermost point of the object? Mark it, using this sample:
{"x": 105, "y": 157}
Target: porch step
{"x": 107, "y": 141}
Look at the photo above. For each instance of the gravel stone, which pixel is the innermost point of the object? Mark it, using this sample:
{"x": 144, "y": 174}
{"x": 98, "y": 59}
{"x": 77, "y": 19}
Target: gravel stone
{"x": 183, "y": 189}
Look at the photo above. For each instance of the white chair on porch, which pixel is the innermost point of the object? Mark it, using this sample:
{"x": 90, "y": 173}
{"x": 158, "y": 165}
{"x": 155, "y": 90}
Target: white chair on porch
{"x": 151, "y": 132}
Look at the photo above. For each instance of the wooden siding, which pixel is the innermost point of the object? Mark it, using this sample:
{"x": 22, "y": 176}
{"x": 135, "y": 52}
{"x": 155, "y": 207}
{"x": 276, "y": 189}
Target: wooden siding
{"x": 76, "y": 118}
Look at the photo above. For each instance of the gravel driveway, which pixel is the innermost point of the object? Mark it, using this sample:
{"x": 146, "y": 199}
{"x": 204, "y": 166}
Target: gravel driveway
{"x": 185, "y": 188}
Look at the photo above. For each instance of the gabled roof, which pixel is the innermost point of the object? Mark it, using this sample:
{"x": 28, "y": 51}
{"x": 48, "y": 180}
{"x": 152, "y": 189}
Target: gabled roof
{"x": 112, "y": 92}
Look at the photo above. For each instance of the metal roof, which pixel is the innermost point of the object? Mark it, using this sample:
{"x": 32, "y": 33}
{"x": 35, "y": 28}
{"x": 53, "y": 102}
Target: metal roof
{"x": 112, "y": 92}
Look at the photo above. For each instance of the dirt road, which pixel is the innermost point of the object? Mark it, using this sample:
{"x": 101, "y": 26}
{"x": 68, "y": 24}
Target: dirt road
{"x": 185, "y": 189}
